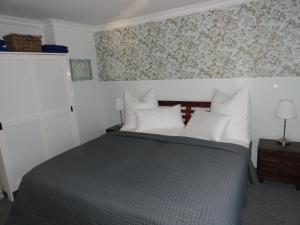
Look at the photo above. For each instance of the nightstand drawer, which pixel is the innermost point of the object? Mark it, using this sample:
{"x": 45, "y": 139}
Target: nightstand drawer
{"x": 272, "y": 165}
{"x": 290, "y": 168}
{"x": 292, "y": 157}
{"x": 270, "y": 155}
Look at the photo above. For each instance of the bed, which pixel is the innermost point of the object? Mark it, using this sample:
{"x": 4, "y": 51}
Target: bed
{"x": 138, "y": 179}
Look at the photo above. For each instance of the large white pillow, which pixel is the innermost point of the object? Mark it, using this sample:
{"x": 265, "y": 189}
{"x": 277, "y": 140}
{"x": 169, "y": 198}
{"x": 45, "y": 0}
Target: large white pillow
{"x": 238, "y": 107}
{"x": 159, "y": 118}
{"x": 218, "y": 98}
{"x": 206, "y": 125}
{"x": 131, "y": 104}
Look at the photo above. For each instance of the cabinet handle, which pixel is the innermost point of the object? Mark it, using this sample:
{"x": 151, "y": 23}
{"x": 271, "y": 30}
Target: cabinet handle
{"x": 1, "y": 127}
{"x": 72, "y": 109}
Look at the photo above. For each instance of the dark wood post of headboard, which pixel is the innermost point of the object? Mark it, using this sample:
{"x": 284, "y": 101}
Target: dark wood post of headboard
{"x": 187, "y": 107}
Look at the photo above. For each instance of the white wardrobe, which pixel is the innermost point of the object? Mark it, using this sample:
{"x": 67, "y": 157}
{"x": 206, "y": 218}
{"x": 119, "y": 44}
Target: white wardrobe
{"x": 37, "y": 117}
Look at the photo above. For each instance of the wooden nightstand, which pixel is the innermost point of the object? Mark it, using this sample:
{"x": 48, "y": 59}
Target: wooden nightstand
{"x": 278, "y": 163}
{"x": 115, "y": 128}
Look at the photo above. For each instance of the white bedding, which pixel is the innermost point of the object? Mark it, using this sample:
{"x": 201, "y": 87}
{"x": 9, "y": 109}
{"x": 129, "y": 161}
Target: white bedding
{"x": 167, "y": 132}
{"x": 207, "y": 125}
{"x": 159, "y": 118}
{"x": 131, "y": 104}
{"x": 227, "y": 121}
{"x": 237, "y": 106}
{"x": 180, "y": 132}
{"x": 237, "y": 142}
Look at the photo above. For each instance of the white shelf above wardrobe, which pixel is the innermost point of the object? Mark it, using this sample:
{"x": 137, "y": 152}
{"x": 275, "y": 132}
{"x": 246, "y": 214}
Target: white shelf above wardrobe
{"x": 37, "y": 120}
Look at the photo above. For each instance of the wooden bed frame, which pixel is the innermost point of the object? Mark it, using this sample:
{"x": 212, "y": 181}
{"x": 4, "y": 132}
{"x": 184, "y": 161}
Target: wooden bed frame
{"x": 187, "y": 107}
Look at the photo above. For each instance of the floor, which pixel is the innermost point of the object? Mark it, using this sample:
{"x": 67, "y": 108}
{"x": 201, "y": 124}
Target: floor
{"x": 5, "y": 207}
{"x": 270, "y": 203}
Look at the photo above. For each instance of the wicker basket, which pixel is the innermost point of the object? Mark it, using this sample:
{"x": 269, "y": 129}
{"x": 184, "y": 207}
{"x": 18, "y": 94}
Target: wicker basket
{"x": 23, "y": 43}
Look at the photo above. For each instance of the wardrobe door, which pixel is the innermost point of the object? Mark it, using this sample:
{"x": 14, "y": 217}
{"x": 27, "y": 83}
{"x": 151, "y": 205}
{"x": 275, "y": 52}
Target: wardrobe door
{"x": 56, "y": 103}
{"x": 21, "y": 141}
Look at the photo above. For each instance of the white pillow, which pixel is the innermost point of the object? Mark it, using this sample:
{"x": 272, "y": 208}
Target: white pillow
{"x": 131, "y": 104}
{"x": 238, "y": 107}
{"x": 218, "y": 98}
{"x": 159, "y": 118}
{"x": 206, "y": 125}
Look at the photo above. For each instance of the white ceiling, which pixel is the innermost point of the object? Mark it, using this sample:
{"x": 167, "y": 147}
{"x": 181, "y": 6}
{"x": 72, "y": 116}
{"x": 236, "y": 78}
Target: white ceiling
{"x": 90, "y": 12}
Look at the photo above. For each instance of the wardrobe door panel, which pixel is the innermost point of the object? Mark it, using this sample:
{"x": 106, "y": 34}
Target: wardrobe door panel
{"x": 25, "y": 144}
{"x": 59, "y": 120}
{"x": 16, "y": 88}
{"x": 51, "y": 76}
{"x": 58, "y": 129}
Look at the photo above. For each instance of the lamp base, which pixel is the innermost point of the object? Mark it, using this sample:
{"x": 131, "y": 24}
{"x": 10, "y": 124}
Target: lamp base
{"x": 283, "y": 141}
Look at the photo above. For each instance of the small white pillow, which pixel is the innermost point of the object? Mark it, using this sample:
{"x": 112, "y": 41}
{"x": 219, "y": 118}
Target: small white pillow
{"x": 238, "y": 107}
{"x": 131, "y": 104}
{"x": 159, "y": 118}
{"x": 206, "y": 125}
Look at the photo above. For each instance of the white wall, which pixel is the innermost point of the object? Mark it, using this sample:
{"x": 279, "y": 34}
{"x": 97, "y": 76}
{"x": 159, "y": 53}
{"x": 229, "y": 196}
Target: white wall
{"x": 264, "y": 100}
{"x": 81, "y": 45}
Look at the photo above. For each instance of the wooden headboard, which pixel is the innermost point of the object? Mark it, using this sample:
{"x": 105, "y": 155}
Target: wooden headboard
{"x": 187, "y": 107}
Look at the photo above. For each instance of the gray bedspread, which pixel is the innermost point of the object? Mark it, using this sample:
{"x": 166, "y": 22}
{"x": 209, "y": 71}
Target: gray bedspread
{"x": 136, "y": 179}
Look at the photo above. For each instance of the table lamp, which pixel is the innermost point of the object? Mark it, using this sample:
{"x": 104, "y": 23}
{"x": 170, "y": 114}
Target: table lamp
{"x": 119, "y": 105}
{"x": 285, "y": 110}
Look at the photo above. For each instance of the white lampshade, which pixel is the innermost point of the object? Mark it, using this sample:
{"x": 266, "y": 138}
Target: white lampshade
{"x": 119, "y": 104}
{"x": 286, "y": 109}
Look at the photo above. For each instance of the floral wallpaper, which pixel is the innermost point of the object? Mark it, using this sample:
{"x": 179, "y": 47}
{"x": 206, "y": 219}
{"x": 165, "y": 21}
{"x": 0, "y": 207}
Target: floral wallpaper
{"x": 255, "y": 39}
